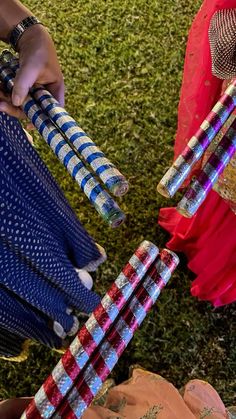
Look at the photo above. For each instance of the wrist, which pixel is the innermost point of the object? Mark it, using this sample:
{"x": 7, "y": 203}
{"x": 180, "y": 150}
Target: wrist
{"x": 11, "y": 13}
{"x": 36, "y": 35}
{"x": 23, "y": 27}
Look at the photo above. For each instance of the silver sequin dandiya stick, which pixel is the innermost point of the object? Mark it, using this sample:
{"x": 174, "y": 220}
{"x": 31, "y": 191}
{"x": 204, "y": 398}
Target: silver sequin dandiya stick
{"x": 218, "y": 160}
{"x": 210, "y": 127}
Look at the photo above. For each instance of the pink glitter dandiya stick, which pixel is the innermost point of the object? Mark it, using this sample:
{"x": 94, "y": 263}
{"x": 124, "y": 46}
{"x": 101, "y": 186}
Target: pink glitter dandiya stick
{"x": 218, "y": 160}
{"x": 195, "y": 148}
{"x": 91, "y": 379}
{"x": 61, "y": 380}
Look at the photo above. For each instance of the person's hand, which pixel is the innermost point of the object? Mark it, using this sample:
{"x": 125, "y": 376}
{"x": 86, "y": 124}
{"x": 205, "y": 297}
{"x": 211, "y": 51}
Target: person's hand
{"x": 13, "y": 408}
{"x": 38, "y": 64}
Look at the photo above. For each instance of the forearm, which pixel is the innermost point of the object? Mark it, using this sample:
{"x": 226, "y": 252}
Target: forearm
{"x": 11, "y": 13}
{"x": 37, "y": 56}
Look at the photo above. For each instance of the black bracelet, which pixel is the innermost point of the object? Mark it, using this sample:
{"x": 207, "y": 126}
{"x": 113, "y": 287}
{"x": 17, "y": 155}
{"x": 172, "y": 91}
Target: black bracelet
{"x": 19, "y": 29}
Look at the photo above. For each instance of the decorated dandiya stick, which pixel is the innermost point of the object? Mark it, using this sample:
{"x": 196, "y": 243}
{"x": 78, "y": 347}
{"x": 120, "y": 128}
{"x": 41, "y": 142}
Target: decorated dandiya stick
{"x": 102, "y": 201}
{"x": 107, "y": 172}
{"x": 11, "y": 60}
{"x": 195, "y": 148}
{"x": 91, "y": 379}
{"x": 60, "y": 382}
{"x": 218, "y": 160}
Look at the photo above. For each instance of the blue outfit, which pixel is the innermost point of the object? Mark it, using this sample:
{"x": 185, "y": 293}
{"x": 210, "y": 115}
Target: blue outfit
{"x": 41, "y": 243}
{"x": 11, "y": 345}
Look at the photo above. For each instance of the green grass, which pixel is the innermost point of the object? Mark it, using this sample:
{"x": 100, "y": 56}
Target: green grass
{"x": 122, "y": 62}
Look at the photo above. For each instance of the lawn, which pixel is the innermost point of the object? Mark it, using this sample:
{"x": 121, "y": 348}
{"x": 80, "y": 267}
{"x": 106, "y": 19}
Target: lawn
{"x": 122, "y": 62}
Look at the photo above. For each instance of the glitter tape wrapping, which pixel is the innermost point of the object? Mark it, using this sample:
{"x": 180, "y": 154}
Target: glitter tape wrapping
{"x": 195, "y": 148}
{"x": 209, "y": 174}
{"x": 104, "y": 204}
{"x": 101, "y": 364}
{"x": 107, "y": 172}
{"x": 10, "y": 60}
{"x": 172, "y": 180}
{"x": 89, "y": 337}
{"x": 7, "y": 76}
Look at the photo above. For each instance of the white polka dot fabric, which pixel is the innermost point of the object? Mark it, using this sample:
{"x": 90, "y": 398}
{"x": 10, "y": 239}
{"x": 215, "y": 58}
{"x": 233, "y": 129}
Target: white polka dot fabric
{"x": 24, "y": 321}
{"x": 41, "y": 241}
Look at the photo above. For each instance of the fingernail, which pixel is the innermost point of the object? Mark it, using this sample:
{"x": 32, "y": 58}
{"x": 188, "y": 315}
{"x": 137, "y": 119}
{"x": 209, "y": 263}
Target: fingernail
{"x": 16, "y": 100}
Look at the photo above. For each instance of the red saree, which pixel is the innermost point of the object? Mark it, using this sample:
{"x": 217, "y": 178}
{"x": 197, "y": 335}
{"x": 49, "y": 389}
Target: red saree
{"x": 209, "y": 238}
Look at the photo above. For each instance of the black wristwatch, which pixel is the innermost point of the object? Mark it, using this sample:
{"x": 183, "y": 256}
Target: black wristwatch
{"x": 19, "y": 29}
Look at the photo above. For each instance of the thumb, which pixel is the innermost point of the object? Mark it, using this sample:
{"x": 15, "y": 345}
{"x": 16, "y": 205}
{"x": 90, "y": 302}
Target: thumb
{"x": 26, "y": 76}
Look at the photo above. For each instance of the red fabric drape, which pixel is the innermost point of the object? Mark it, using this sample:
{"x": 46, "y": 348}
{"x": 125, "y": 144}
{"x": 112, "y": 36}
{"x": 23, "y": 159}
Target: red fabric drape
{"x": 209, "y": 238}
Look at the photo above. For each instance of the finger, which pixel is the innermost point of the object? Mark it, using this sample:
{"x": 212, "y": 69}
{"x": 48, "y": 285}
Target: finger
{"x": 26, "y": 76}
{"x": 57, "y": 89}
{"x": 11, "y": 110}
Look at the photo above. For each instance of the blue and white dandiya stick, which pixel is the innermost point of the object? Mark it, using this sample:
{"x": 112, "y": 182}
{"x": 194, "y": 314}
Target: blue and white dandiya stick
{"x": 11, "y": 60}
{"x": 102, "y": 201}
{"x": 60, "y": 382}
{"x": 107, "y": 172}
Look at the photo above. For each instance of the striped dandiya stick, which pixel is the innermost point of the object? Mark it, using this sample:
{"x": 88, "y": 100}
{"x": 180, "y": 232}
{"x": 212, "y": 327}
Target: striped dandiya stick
{"x": 218, "y": 160}
{"x": 91, "y": 379}
{"x": 102, "y": 201}
{"x": 8, "y": 58}
{"x": 60, "y": 382}
{"x": 108, "y": 173}
{"x": 195, "y": 148}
